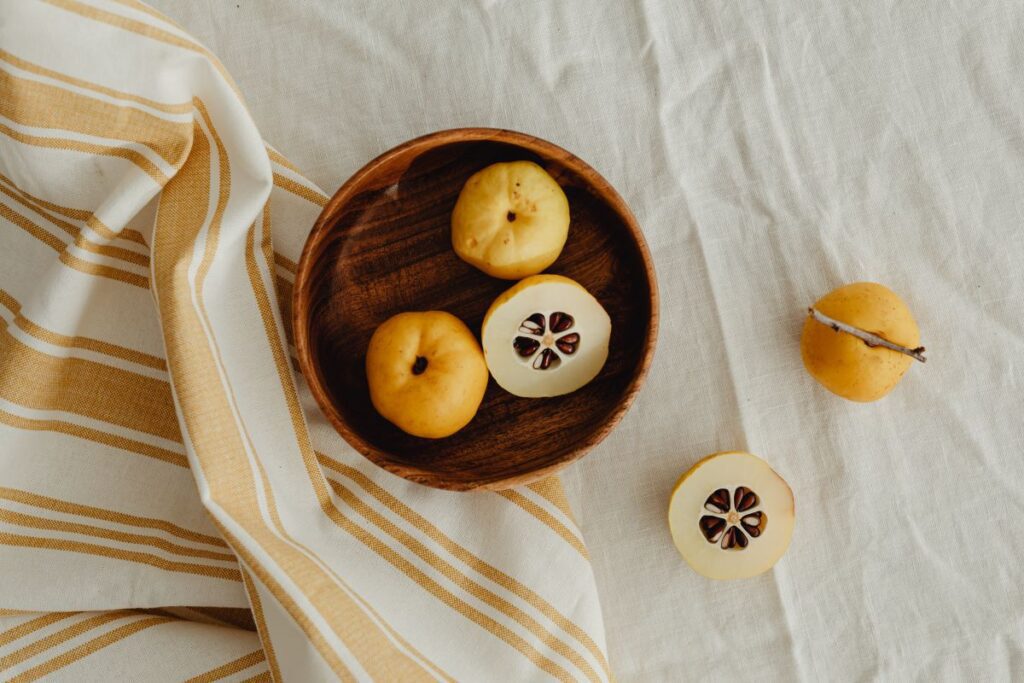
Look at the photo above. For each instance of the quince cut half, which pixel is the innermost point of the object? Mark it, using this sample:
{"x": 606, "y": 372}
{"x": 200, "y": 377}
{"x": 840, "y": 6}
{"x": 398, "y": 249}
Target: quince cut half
{"x": 731, "y": 516}
{"x": 545, "y": 336}
{"x": 511, "y": 220}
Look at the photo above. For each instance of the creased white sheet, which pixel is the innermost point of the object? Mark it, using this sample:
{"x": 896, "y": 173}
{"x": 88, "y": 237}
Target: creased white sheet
{"x": 772, "y": 152}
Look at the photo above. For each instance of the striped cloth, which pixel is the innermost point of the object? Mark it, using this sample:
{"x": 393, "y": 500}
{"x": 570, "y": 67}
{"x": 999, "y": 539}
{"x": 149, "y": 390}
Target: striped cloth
{"x": 172, "y": 504}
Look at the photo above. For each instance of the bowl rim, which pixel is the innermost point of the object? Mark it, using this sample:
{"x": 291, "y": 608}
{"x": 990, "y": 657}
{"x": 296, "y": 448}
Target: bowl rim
{"x": 324, "y": 223}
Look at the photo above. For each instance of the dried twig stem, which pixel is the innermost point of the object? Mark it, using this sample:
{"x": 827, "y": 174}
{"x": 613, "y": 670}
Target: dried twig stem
{"x": 866, "y": 337}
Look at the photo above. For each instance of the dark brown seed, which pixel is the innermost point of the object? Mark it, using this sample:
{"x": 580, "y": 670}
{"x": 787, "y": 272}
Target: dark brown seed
{"x": 525, "y": 346}
{"x": 533, "y": 325}
{"x": 568, "y": 343}
{"x": 560, "y": 322}
{"x": 754, "y": 523}
{"x": 718, "y": 501}
{"x": 745, "y": 499}
{"x": 419, "y": 366}
{"x": 741, "y": 538}
{"x": 729, "y": 539}
{"x": 711, "y": 527}
{"x": 544, "y": 360}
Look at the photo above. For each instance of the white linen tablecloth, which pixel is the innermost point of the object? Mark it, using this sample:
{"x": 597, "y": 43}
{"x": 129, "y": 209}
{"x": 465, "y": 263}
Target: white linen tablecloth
{"x": 772, "y": 152}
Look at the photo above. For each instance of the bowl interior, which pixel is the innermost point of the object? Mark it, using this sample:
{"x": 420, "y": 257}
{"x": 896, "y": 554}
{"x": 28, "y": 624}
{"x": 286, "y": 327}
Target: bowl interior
{"x": 383, "y": 246}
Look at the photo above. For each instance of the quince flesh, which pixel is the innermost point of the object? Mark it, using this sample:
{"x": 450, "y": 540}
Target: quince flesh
{"x": 426, "y": 373}
{"x": 511, "y": 220}
{"x": 846, "y": 365}
{"x": 731, "y": 516}
{"x": 545, "y": 336}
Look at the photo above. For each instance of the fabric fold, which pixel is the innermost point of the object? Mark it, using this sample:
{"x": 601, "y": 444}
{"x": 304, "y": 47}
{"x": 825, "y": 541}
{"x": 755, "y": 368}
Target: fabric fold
{"x": 159, "y": 446}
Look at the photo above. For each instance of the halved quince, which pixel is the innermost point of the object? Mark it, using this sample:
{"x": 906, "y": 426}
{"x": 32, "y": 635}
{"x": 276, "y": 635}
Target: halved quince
{"x": 545, "y": 336}
{"x": 511, "y": 220}
{"x": 731, "y": 516}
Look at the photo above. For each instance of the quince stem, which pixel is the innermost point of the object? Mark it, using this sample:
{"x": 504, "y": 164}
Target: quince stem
{"x": 867, "y": 337}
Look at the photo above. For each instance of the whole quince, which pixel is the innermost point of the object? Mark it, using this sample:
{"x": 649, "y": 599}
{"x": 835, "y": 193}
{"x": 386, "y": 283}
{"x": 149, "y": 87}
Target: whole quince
{"x": 426, "y": 373}
{"x": 859, "y": 340}
{"x": 511, "y": 220}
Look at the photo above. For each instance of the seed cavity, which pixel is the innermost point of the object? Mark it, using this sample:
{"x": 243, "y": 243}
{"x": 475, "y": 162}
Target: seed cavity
{"x": 727, "y": 526}
{"x": 745, "y": 499}
{"x": 712, "y": 527}
{"x": 718, "y": 502}
{"x": 568, "y": 343}
{"x": 754, "y": 523}
{"x": 560, "y": 322}
{"x": 419, "y": 365}
{"x": 544, "y": 340}
{"x": 546, "y": 360}
{"x": 533, "y": 325}
{"x": 525, "y": 346}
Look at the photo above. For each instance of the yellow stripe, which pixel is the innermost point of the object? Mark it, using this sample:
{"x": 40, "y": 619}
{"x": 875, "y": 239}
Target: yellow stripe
{"x": 80, "y": 240}
{"x": 260, "y": 288}
{"x": 143, "y": 7}
{"x": 445, "y": 596}
{"x": 105, "y": 438}
{"x": 261, "y": 625}
{"x": 300, "y": 190}
{"x": 78, "y": 214}
{"x": 63, "y": 225}
{"x": 225, "y": 670}
{"x": 494, "y": 574}
{"x": 146, "y": 30}
{"x": 31, "y": 228}
{"x": 104, "y": 271}
{"x": 210, "y": 423}
{"x": 131, "y": 155}
{"x": 474, "y": 589}
{"x": 284, "y": 304}
{"x": 41, "y": 105}
{"x": 88, "y": 648}
{"x": 77, "y": 342}
{"x": 179, "y": 108}
{"x": 62, "y": 545}
{"x": 281, "y": 160}
{"x": 314, "y": 635}
{"x": 547, "y": 518}
{"x": 124, "y": 518}
{"x": 33, "y": 625}
{"x": 551, "y": 490}
{"x": 58, "y": 637}
{"x": 34, "y": 522}
{"x": 285, "y": 263}
{"x": 125, "y": 233}
{"x": 261, "y": 678}
{"x": 112, "y": 252}
{"x": 60, "y": 247}
{"x": 40, "y": 381}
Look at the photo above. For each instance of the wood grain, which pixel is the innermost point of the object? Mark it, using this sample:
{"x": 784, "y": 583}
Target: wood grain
{"x": 382, "y": 246}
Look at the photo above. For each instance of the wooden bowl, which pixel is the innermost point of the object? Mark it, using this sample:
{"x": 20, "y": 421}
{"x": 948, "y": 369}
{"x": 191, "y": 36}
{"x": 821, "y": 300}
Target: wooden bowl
{"x": 383, "y": 245}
